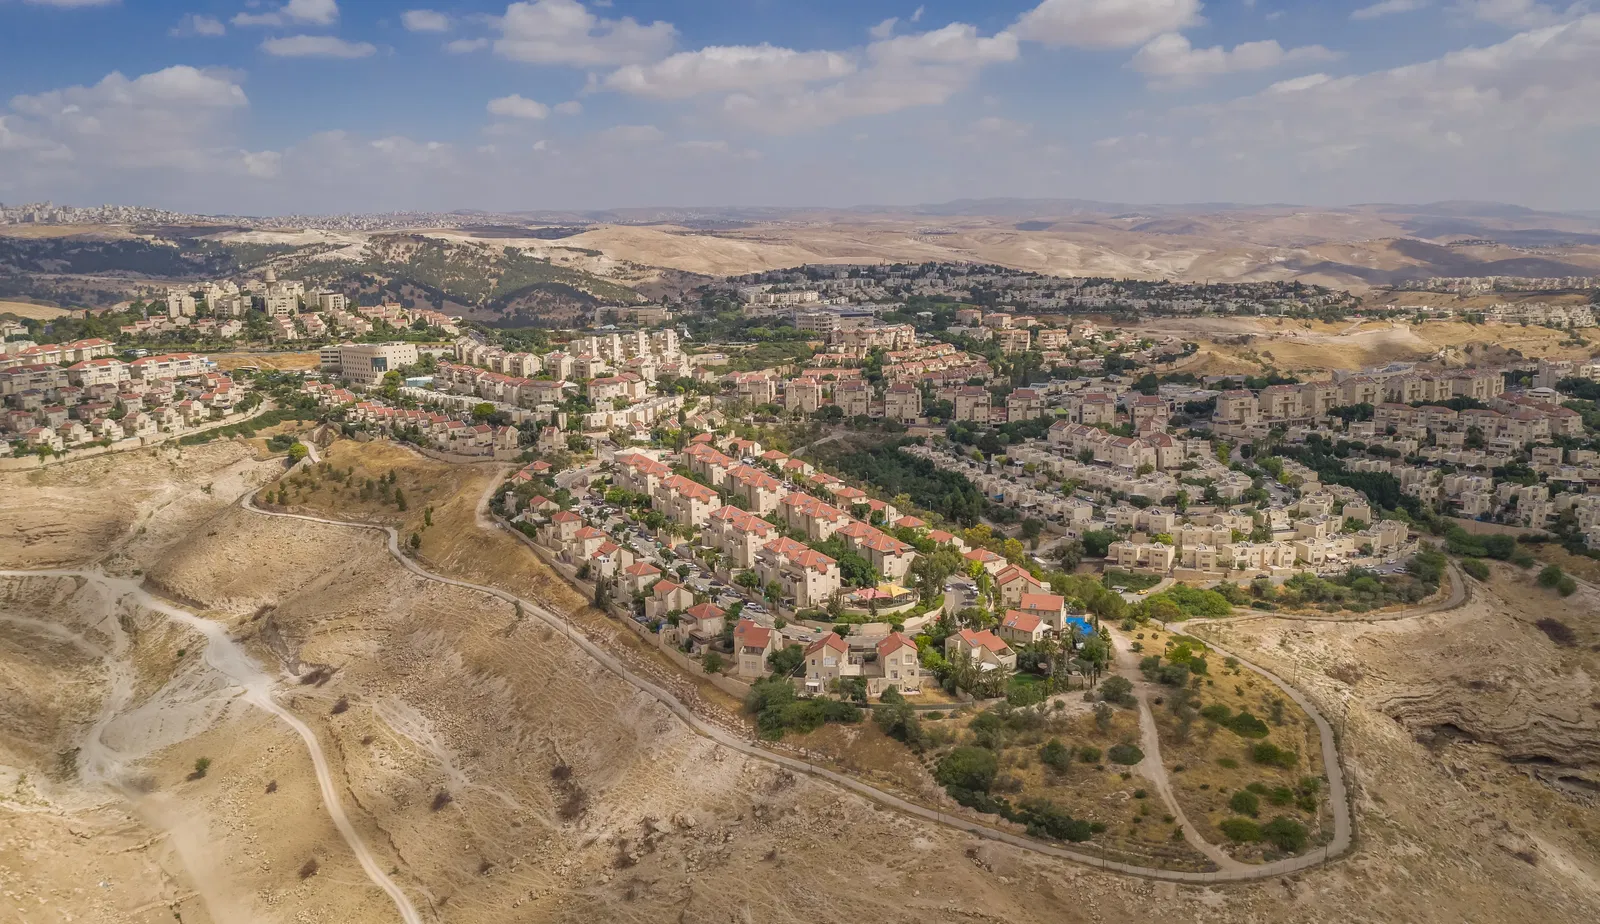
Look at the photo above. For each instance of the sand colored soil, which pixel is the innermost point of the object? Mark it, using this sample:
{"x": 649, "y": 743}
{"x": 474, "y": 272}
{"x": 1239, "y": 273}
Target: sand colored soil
{"x": 31, "y": 311}
{"x": 291, "y": 362}
{"x": 1231, "y": 345}
{"x": 502, "y": 776}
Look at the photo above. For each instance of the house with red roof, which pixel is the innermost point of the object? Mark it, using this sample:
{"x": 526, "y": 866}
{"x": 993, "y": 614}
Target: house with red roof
{"x": 752, "y": 645}
{"x": 1049, "y": 607}
{"x": 1013, "y": 582}
{"x": 667, "y": 596}
{"x": 1023, "y": 628}
{"x": 987, "y": 649}
{"x": 702, "y": 623}
{"x": 990, "y": 562}
{"x": 637, "y": 578}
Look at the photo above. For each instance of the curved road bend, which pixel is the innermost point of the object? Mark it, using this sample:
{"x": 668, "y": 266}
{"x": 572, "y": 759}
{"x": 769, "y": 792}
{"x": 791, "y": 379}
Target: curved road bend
{"x": 229, "y": 659}
{"x": 1459, "y": 594}
{"x": 1341, "y": 805}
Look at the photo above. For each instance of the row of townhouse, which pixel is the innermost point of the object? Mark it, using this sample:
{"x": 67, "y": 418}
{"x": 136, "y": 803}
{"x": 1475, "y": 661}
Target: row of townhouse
{"x": 451, "y": 434}
{"x": 639, "y": 417}
{"x": 218, "y": 328}
{"x": 578, "y": 543}
{"x": 1514, "y": 423}
{"x": 506, "y": 389}
{"x": 902, "y": 402}
{"x": 1112, "y": 479}
{"x": 1161, "y": 451}
{"x": 1310, "y": 401}
{"x": 34, "y": 354}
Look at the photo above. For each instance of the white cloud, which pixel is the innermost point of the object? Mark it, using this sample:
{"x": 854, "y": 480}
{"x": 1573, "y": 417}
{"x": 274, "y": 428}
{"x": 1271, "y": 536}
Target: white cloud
{"x": 917, "y": 16}
{"x": 1531, "y": 96}
{"x": 316, "y": 46}
{"x": 168, "y": 118}
{"x": 1516, "y": 14}
{"x": 1105, "y": 23}
{"x": 632, "y": 134}
{"x": 923, "y": 69}
{"x": 311, "y": 12}
{"x": 195, "y": 24}
{"x": 884, "y": 29}
{"x": 263, "y": 164}
{"x": 997, "y": 127}
{"x": 570, "y": 107}
{"x": 1170, "y": 61}
{"x": 463, "y": 46}
{"x": 725, "y": 68}
{"x": 541, "y": 146}
{"x": 425, "y": 21}
{"x": 518, "y": 107}
{"x": 565, "y": 32}
{"x": 1389, "y": 8}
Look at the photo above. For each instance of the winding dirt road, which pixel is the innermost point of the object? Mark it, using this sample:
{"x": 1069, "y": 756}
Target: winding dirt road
{"x": 1338, "y": 793}
{"x": 228, "y": 658}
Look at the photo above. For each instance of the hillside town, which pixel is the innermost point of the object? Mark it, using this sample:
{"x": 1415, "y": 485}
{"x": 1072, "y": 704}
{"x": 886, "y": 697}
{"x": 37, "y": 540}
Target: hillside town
{"x": 649, "y": 473}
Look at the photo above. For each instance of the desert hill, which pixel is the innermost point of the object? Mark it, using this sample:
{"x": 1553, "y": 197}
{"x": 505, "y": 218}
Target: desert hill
{"x": 497, "y": 773}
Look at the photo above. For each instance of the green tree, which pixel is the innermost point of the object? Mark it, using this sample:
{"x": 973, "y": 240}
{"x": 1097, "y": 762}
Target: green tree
{"x": 298, "y": 451}
{"x": 786, "y": 661}
{"x": 969, "y": 768}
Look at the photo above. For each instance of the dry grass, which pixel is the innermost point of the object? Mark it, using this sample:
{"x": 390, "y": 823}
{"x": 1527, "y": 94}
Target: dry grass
{"x": 288, "y": 362}
{"x": 1216, "y": 761}
{"x": 1230, "y": 345}
{"x": 457, "y": 545}
{"x": 31, "y": 311}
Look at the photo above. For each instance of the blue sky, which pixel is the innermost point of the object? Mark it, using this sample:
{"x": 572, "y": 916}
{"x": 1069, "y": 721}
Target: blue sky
{"x": 273, "y": 106}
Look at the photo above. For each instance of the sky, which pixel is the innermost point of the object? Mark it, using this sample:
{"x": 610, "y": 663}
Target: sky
{"x": 268, "y": 107}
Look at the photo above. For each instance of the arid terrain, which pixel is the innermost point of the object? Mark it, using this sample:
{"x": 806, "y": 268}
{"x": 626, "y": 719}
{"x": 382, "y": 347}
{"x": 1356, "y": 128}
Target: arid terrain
{"x": 1235, "y": 345}
{"x": 566, "y": 261}
{"x": 495, "y": 772}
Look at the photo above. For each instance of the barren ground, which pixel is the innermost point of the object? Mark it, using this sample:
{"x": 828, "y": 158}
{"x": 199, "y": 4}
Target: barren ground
{"x": 571, "y": 798}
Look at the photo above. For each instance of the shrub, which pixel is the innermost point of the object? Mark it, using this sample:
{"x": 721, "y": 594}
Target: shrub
{"x": 1246, "y": 725}
{"x": 1117, "y": 690}
{"x": 1245, "y": 802}
{"x": 1056, "y": 756}
{"x": 1550, "y": 576}
{"x": 968, "y": 768}
{"x": 1217, "y": 712}
{"x": 1045, "y": 818}
{"x": 1286, "y": 834}
{"x": 1273, "y": 756}
{"x": 1476, "y": 568}
{"x": 1566, "y": 587}
{"x": 201, "y": 765}
{"x": 1089, "y": 755}
{"x": 1125, "y": 754}
{"x": 1240, "y": 830}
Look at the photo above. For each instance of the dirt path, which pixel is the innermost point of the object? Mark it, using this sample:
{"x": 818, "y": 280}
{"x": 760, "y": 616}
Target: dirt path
{"x": 1340, "y": 845}
{"x": 228, "y": 658}
{"x": 1153, "y": 768}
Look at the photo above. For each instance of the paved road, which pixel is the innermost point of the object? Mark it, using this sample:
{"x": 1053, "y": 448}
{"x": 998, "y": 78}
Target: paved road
{"x": 1459, "y": 594}
{"x": 742, "y": 745}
